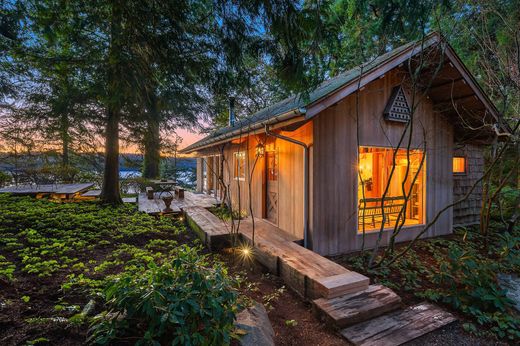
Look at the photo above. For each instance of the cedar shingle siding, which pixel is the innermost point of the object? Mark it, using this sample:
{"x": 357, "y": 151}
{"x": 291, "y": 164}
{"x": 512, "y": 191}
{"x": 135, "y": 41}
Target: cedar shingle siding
{"x": 468, "y": 211}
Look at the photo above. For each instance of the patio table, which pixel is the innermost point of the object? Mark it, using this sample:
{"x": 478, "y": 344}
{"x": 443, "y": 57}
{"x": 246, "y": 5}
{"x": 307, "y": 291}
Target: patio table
{"x": 164, "y": 185}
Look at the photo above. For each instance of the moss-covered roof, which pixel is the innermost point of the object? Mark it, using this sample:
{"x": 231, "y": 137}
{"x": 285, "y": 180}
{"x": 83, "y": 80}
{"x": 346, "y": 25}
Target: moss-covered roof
{"x": 297, "y": 103}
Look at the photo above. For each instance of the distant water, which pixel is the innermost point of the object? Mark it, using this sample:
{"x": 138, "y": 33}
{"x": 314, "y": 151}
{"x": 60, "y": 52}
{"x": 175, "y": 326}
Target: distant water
{"x": 185, "y": 177}
{"x": 129, "y": 174}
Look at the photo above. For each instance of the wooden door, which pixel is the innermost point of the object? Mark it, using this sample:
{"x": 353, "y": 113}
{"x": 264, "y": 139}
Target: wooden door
{"x": 271, "y": 199}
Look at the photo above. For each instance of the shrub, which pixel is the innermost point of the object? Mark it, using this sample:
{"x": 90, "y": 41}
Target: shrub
{"x": 4, "y": 178}
{"x": 185, "y": 301}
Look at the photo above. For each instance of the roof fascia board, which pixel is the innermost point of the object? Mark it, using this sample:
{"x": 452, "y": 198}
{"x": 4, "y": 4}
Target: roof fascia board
{"x": 297, "y": 117}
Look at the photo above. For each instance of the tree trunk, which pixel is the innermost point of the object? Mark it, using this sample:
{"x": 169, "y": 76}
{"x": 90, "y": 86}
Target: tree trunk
{"x": 110, "y": 192}
{"x": 65, "y": 139}
{"x": 152, "y": 141}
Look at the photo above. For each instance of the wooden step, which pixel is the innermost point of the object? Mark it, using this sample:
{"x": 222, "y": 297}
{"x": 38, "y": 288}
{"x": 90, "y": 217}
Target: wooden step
{"x": 338, "y": 285}
{"x": 398, "y": 327}
{"x": 212, "y": 231}
{"x": 358, "y": 307}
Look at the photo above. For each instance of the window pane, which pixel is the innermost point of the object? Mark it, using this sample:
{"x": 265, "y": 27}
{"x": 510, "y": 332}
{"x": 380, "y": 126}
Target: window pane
{"x": 459, "y": 165}
{"x": 239, "y": 168}
{"x": 272, "y": 166}
{"x": 405, "y": 185}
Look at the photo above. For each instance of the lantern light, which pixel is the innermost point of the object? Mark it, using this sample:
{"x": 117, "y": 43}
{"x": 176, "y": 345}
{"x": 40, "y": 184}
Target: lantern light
{"x": 260, "y": 150}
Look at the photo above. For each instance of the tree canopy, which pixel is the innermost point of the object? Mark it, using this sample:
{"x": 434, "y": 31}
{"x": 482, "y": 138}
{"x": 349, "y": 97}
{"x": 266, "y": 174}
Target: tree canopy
{"x": 136, "y": 69}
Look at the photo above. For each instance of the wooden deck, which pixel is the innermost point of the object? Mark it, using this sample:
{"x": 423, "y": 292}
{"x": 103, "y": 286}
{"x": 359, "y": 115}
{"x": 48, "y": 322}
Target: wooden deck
{"x": 65, "y": 190}
{"x": 156, "y": 205}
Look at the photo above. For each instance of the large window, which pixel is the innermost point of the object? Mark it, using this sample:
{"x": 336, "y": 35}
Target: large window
{"x": 239, "y": 170}
{"x": 375, "y": 176}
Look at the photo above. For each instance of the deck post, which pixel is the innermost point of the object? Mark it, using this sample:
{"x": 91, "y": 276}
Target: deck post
{"x": 210, "y": 174}
{"x": 200, "y": 176}
{"x": 216, "y": 170}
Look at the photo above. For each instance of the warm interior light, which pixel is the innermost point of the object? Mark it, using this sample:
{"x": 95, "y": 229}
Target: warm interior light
{"x": 365, "y": 166}
{"x": 260, "y": 150}
{"x": 459, "y": 165}
{"x": 376, "y": 176}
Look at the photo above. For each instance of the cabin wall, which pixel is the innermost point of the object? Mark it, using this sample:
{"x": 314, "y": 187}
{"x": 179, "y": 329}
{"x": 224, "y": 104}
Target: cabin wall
{"x": 290, "y": 183}
{"x": 335, "y": 158}
{"x": 468, "y": 212}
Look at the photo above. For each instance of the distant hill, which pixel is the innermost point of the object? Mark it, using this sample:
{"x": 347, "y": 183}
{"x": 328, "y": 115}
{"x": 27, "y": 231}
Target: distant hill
{"x": 89, "y": 162}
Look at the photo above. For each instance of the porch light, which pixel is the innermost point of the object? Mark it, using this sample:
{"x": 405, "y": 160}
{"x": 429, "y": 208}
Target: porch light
{"x": 260, "y": 150}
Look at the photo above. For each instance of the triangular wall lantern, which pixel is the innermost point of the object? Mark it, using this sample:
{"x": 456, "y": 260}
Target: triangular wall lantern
{"x": 397, "y": 108}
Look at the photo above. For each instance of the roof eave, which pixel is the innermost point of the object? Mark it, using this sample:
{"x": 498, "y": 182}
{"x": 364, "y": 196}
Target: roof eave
{"x": 225, "y": 137}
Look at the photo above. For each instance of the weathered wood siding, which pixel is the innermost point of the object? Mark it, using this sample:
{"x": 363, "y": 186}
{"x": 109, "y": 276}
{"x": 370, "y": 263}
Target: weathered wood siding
{"x": 290, "y": 179}
{"x": 335, "y": 199}
{"x": 468, "y": 211}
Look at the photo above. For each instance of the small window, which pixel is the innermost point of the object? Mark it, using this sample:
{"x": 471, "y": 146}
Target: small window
{"x": 240, "y": 165}
{"x": 459, "y": 165}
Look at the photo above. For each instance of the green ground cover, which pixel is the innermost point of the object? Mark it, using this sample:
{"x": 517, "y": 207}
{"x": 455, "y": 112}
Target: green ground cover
{"x": 56, "y": 258}
{"x": 460, "y": 273}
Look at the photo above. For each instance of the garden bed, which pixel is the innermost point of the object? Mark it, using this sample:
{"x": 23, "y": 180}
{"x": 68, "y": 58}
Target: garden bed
{"x": 458, "y": 272}
{"x": 56, "y": 257}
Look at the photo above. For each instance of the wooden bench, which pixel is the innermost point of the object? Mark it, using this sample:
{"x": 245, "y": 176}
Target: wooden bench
{"x": 371, "y": 208}
{"x": 149, "y": 192}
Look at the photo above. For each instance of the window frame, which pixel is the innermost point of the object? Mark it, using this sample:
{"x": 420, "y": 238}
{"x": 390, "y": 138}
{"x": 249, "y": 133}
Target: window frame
{"x": 424, "y": 194}
{"x": 465, "y": 172}
{"x": 237, "y": 175}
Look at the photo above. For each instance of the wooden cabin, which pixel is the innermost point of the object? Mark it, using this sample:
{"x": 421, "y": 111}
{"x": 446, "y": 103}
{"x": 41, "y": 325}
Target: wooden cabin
{"x": 368, "y": 149}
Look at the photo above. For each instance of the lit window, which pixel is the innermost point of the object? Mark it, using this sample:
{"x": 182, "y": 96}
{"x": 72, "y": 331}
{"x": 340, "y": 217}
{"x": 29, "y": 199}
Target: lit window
{"x": 375, "y": 175}
{"x": 459, "y": 165}
{"x": 240, "y": 165}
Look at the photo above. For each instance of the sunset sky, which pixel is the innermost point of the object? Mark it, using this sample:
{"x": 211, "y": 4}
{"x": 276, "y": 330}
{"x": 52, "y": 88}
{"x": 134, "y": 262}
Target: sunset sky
{"x": 188, "y": 137}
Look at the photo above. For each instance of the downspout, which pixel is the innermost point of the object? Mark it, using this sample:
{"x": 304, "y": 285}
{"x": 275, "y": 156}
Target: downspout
{"x": 305, "y": 179}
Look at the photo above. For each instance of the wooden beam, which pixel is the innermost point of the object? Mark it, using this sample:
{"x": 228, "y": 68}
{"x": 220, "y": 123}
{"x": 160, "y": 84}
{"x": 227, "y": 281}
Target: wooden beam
{"x": 472, "y": 82}
{"x": 450, "y": 82}
{"x": 458, "y": 99}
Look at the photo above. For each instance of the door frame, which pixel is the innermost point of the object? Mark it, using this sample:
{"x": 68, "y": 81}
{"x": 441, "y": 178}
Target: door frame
{"x": 265, "y": 187}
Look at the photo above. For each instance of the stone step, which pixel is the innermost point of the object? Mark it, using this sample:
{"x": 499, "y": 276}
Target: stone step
{"x": 353, "y": 308}
{"x": 398, "y": 327}
{"x": 338, "y": 285}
